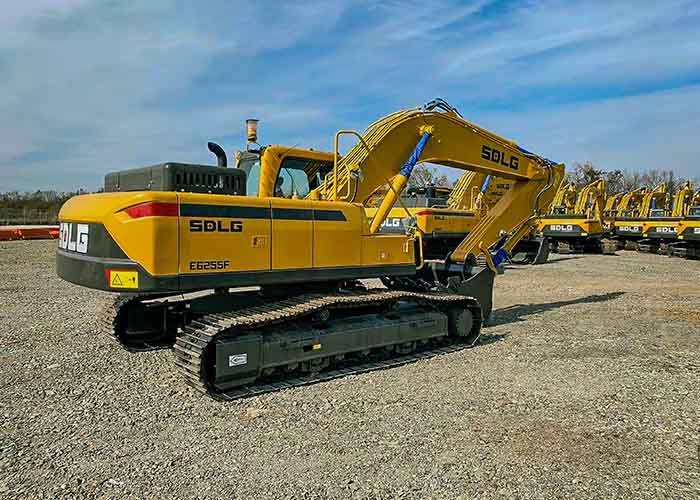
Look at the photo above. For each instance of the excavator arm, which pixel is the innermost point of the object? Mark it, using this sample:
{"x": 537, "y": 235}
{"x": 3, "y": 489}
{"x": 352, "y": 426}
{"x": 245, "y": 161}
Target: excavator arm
{"x": 515, "y": 214}
{"x": 466, "y": 190}
{"x": 565, "y": 199}
{"x": 591, "y": 200}
{"x": 612, "y": 203}
{"x": 682, "y": 200}
{"x": 656, "y": 198}
{"x": 695, "y": 201}
{"x": 437, "y": 134}
{"x": 631, "y": 201}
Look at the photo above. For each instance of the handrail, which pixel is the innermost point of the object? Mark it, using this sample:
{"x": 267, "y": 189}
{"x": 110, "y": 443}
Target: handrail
{"x": 335, "y": 157}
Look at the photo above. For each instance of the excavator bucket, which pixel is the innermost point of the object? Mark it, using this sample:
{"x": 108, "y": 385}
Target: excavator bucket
{"x": 531, "y": 251}
{"x": 479, "y": 286}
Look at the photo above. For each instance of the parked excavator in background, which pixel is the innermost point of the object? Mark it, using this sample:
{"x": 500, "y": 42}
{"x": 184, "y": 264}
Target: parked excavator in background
{"x": 581, "y": 229}
{"x": 444, "y": 216}
{"x": 610, "y": 211}
{"x": 627, "y": 225}
{"x": 688, "y": 245}
{"x": 180, "y": 243}
{"x": 611, "y": 205}
{"x": 660, "y": 229}
{"x": 444, "y": 221}
{"x": 565, "y": 200}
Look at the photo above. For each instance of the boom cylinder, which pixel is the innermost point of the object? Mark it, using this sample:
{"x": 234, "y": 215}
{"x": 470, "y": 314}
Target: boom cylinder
{"x": 397, "y": 184}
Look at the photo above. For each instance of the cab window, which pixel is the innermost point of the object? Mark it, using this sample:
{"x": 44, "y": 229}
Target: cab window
{"x": 252, "y": 170}
{"x": 298, "y": 176}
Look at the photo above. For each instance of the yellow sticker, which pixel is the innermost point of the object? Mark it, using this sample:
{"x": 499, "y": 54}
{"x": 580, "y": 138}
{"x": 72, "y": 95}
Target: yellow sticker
{"x": 123, "y": 279}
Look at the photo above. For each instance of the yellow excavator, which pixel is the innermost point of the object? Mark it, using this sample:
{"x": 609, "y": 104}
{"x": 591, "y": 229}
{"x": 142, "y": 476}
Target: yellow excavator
{"x": 688, "y": 245}
{"x": 443, "y": 216}
{"x": 626, "y": 226}
{"x": 610, "y": 211}
{"x": 179, "y": 242}
{"x": 660, "y": 228}
{"x": 581, "y": 229}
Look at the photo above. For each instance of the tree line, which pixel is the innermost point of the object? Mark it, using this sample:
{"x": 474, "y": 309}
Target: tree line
{"x": 38, "y": 207}
{"x": 582, "y": 174}
{"x": 37, "y": 200}
{"x": 619, "y": 181}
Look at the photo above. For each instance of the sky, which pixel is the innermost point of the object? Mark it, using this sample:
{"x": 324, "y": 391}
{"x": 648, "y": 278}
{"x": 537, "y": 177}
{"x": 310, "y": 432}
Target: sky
{"x": 93, "y": 86}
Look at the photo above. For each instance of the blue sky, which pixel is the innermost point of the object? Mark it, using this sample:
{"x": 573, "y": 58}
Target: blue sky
{"x": 91, "y": 86}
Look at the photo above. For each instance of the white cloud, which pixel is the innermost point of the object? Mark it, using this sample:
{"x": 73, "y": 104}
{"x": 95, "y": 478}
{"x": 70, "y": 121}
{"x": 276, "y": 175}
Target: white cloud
{"x": 655, "y": 130}
{"x": 91, "y": 86}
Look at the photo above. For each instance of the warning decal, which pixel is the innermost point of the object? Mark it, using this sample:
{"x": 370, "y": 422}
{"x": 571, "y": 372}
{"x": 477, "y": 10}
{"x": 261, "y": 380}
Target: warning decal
{"x": 123, "y": 279}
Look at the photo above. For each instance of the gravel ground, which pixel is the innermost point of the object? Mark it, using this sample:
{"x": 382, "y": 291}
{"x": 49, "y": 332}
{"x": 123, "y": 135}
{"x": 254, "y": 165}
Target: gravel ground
{"x": 585, "y": 386}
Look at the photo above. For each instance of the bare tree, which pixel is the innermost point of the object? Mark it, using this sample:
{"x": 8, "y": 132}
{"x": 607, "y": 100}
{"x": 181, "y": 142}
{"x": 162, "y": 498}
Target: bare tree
{"x": 424, "y": 175}
{"x": 583, "y": 174}
{"x": 631, "y": 181}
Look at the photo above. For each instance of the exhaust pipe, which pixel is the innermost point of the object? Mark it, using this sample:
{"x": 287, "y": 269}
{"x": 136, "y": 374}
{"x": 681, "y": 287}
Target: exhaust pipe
{"x": 219, "y": 152}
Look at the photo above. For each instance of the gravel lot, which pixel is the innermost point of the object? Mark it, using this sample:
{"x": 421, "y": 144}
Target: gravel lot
{"x": 586, "y": 386}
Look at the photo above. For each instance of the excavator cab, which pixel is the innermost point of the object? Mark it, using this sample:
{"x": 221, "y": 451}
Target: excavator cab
{"x": 293, "y": 172}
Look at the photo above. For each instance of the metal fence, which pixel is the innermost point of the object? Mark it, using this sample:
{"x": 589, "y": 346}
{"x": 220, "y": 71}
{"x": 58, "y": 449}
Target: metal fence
{"x": 17, "y": 216}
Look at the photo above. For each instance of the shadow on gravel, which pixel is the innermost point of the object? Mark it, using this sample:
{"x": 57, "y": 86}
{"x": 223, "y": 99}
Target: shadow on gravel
{"x": 491, "y": 339}
{"x": 516, "y": 312}
{"x": 515, "y": 266}
{"x": 562, "y": 259}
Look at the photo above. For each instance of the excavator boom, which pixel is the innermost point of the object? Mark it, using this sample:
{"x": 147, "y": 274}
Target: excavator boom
{"x": 438, "y": 134}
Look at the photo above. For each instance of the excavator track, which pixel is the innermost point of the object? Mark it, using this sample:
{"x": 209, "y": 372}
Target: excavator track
{"x": 195, "y": 348}
{"x": 112, "y": 320}
{"x": 647, "y": 246}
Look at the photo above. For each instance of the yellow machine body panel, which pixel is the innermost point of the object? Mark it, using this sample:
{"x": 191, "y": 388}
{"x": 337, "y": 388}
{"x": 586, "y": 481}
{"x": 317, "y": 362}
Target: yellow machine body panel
{"x": 570, "y": 227}
{"x": 661, "y": 227}
{"x": 337, "y": 242}
{"x": 689, "y": 228}
{"x": 150, "y": 241}
{"x": 628, "y": 228}
{"x": 195, "y": 240}
{"x": 234, "y": 232}
{"x": 428, "y": 220}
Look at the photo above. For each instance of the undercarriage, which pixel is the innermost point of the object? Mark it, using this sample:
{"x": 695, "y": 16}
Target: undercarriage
{"x": 233, "y": 344}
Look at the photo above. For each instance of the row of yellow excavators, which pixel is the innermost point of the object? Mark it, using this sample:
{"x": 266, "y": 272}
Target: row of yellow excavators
{"x": 255, "y": 274}
{"x": 650, "y": 220}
